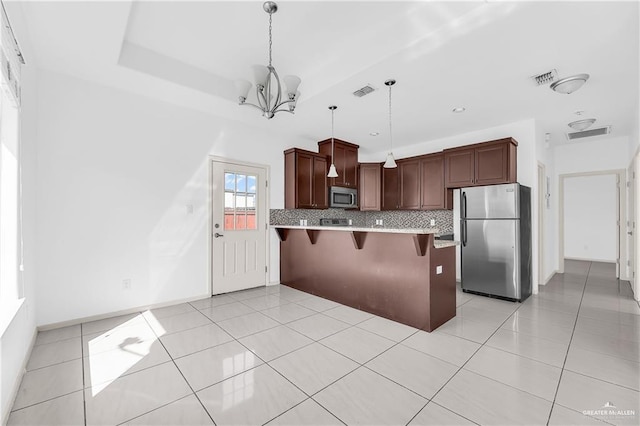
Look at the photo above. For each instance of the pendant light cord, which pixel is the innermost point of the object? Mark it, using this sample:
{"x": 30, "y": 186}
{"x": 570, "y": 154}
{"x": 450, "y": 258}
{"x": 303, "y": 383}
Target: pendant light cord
{"x": 332, "y": 160}
{"x": 390, "y": 132}
{"x": 270, "y": 41}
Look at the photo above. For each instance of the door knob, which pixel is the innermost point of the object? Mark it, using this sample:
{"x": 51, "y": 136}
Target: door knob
{"x": 218, "y": 235}
{"x": 630, "y": 233}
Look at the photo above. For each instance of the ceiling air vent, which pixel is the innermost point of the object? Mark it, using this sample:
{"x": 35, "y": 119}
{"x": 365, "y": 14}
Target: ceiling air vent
{"x": 364, "y": 91}
{"x": 545, "y": 78}
{"x": 588, "y": 133}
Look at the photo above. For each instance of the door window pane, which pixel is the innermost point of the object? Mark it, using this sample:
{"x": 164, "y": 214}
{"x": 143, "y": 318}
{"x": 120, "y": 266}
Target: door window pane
{"x": 251, "y": 184}
{"x": 240, "y": 192}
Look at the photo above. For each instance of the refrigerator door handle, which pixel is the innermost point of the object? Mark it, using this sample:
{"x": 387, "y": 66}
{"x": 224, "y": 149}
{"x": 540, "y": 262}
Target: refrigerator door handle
{"x": 464, "y": 233}
{"x": 464, "y": 205}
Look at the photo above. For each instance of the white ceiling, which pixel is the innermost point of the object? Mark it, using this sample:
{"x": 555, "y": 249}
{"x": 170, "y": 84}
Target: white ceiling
{"x": 479, "y": 55}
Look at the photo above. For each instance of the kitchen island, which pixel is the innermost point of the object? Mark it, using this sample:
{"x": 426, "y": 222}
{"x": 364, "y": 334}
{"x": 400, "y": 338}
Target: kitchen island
{"x": 404, "y": 275}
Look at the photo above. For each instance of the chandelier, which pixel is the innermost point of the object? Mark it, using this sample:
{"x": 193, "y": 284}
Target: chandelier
{"x": 268, "y": 86}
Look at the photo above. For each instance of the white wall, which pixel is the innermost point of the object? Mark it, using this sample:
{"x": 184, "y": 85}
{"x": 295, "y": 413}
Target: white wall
{"x": 115, "y": 173}
{"x": 16, "y": 339}
{"x": 595, "y": 154}
{"x": 590, "y": 218}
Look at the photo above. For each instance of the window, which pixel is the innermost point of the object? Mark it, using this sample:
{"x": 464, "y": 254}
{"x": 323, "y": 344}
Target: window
{"x": 240, "y": 201}
{"x": 8, "y": 199}
{"x": 10, "y": 207}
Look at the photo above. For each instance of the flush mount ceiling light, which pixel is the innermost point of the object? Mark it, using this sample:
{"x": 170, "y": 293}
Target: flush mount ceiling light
{"x": 581, "y": 125}
{"x": 391, "y": 162}
{"x": 459, "y": 109}
{"x": 332, "y": 170}
{"x": 570, "y": 84}
{"x": 374, "y": 133}
{"x": 268, "y": 86}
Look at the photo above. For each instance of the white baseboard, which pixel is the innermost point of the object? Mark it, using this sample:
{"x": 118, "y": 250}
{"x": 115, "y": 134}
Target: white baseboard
{"x": 118, "y": 313}
{"x": 590, "y": 260}
{"x": 546, "y": 281}
{"x": 18, "y": 382}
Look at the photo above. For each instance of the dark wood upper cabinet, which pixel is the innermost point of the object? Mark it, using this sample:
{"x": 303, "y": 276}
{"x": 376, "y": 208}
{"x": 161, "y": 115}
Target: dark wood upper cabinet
{"x": 369, "y": 191}
{"x": 434, "y": 195}
{"x": 487, "y": 163}
{"x": 409, "y": 184}
{"x": 459, "y": 168}
{"x": 346, "y": 161}
{"x": 401, "y": 186}
{"x": 390, "y": 193}
{"x": 305, "y": 180}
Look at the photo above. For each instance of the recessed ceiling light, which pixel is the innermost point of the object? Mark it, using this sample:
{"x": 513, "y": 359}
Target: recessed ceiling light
{"x": 459, "y": 109}
{"x": 374, "y": 133}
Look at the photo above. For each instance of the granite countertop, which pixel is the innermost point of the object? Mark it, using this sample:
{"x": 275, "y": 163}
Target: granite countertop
{"x": 362, "y": 229}
{"x": 416, "y": 231}
{"x": 445, "y": 243}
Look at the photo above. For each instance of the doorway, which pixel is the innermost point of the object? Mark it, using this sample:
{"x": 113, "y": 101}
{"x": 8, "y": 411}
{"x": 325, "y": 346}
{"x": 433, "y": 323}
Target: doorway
{"x": 590, "y": 218}
{"x": 632, "y": 235}
{"x": 239, "y": 217}
{"x": 542, "y": 191}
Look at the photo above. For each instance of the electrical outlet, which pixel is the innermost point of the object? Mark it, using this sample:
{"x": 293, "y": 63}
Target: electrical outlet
{"x": 438, "y": 269}
{"x": 433, "y": 222}
{"x": 126, "y": 284}
{"x": 189, "y": 208}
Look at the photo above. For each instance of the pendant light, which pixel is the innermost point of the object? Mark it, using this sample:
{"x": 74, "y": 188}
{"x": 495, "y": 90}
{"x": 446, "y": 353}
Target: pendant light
{"x": 332, "y": 170}
{"x": 391, "y": 162}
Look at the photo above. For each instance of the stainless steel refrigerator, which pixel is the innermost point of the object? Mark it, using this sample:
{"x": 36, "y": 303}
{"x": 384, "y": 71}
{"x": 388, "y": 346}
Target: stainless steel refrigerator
{"x": 495, "y": 227}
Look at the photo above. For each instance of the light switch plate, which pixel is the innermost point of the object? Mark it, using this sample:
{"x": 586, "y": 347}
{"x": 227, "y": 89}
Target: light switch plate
{"x": 438, "y": 269}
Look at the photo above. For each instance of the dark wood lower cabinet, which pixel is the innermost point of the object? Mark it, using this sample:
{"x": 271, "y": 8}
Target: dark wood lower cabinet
{"x": 398, "y": 276}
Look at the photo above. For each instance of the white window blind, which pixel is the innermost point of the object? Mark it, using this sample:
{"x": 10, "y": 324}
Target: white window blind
{"x": 11, "y": 60}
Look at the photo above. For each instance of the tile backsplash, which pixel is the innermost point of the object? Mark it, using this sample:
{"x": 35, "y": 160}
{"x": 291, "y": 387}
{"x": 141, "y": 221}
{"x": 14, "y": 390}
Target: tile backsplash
{"x": 390, "y": 219}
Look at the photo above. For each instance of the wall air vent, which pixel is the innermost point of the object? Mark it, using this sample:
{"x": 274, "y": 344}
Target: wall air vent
{"x": 364, "y": 91}
{"x": 588, "y": 133}
{"x": 545, "y": 78}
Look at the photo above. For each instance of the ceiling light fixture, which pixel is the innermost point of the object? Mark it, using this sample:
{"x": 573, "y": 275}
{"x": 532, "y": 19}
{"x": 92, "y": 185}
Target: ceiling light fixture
{"x": 581, "y": 125}
{"x": 332, "y": 170}
{"x": 268, "y": 86}
{"x": 391, "y": 162}
{"x": 459, "y": 109}
{"x": 570, "y": 84}
{"x": 374, "y": 133}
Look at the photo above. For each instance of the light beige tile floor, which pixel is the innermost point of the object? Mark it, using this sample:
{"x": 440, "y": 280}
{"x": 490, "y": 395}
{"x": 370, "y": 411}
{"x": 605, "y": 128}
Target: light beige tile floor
{"x": 569, "y": 355}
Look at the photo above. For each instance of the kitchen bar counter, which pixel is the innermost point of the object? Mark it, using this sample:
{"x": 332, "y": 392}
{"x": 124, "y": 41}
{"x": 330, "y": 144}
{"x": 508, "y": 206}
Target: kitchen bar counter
{"x": 421, "y": 231}
{"x": 394, "y": 273}
{"x": 413, "y": 231}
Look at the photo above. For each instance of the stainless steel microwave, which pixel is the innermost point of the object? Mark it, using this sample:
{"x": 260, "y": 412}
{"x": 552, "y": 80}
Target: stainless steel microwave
{"x": 344, "y": 198}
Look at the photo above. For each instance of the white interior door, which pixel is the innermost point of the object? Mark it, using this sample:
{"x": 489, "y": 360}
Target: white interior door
{"x": 239, "y": 234}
